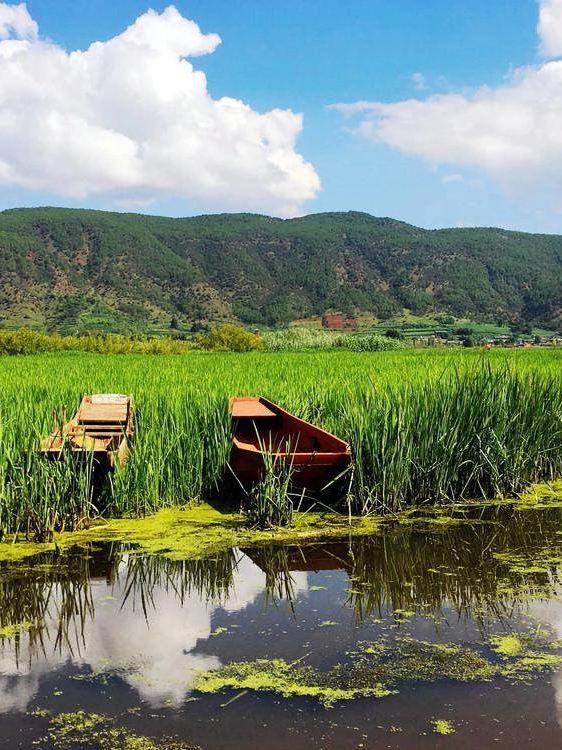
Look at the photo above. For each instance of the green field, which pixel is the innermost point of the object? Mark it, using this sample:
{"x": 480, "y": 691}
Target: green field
{"x": 425, "y": 426}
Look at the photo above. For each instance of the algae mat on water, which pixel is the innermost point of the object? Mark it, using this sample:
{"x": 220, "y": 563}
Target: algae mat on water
{"x": 198, "y": 530}
{"x": 376, "y": 670}
{"x": 80, "y": 729}
{"x": 194, "y": 532}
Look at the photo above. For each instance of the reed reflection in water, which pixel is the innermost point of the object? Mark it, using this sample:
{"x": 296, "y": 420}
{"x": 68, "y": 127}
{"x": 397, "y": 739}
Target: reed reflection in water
{"x": 111, "y": 610}
{"x": 139, "y": 618}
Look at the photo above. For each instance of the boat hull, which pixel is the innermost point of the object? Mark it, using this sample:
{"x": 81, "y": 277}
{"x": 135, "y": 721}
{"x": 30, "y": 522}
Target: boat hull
{"x": 310, "y": 472}
{"x": 318, "y": 461}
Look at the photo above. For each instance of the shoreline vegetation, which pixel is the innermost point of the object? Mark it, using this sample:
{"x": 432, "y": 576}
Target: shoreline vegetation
{"x": 219, "y": 338}
{"x": 230, "y": 337}
{"x": 200, "y": 531}
{"x": 427, "y": 428}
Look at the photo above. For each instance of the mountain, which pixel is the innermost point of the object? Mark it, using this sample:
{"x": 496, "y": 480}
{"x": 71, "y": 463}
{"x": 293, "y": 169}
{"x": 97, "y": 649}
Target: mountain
{"x": 83, "y": 270}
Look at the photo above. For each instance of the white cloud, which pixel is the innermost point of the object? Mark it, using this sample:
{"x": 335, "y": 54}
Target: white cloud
{"x": 131, "y": 118}
{"x": 419, "y": 81}
{"x": 513, "y": 131}
{"x": 449, "y": 179}
{"x": 549, "y": 27}
{"x": 16, "y": 21}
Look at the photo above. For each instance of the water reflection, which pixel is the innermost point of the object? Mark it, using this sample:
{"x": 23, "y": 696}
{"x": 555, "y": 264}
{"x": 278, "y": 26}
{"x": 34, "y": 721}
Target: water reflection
{"x": 482, "y": 569}
{"x": 148, "y": 621}
{"x": 136, "y": 617}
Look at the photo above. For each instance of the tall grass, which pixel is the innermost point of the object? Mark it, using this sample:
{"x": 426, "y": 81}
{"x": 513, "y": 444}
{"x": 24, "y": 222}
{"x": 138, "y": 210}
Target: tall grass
{"x": 269, "y": 503}
{"x": 424, "y": 426}
{"x": 298, "y": 339}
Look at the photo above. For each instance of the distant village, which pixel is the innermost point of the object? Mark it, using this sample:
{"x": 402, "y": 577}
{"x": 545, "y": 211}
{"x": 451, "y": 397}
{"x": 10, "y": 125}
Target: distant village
{"x": 337, "y": 321}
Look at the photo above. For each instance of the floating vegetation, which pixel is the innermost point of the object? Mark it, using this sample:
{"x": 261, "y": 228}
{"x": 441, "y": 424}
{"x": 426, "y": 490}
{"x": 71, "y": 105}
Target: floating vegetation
{"x": 486, "y": 569}
{"x": 506, "y": 645}
{"x": 542, "y": 495}
{"x": 378, "y": 669}
{"x": 289, "y": 680}
{"x": 12, "y": 631}
{"x": 443, "y": 727}
{"x": 99, "y": 732}
{"x": 196, "y": 531}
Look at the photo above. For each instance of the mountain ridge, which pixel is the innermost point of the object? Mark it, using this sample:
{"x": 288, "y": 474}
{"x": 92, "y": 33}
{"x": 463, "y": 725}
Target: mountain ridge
{"x": 85, "y": 269}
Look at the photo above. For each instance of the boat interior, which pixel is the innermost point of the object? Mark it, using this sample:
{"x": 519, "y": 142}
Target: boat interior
{"x": 100, "y": 424}
{"x": 103, "y": 417}
{"x": 258, "y": 427}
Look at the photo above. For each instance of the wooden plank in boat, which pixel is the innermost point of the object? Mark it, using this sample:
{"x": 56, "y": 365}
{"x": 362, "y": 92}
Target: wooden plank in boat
{"x": 104, "y": 408}
{"x": 250, "y": 408}
{"x": 99, "y": 413}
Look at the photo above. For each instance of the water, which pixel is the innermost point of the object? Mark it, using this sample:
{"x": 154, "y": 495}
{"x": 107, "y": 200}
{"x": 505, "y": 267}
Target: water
{"x": 124, "y": 635}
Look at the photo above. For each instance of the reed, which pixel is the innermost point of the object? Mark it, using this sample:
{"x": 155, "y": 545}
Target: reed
{"x": 425, "y": 426}
{"x": 270, "y": 502}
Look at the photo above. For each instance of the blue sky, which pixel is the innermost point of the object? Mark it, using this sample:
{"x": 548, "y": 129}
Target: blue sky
{"x": 306, "y": 55}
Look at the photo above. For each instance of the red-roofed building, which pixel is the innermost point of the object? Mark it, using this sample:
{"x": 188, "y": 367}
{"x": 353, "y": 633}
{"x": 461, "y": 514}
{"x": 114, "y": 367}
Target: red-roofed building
{"x": 338, "y": 322}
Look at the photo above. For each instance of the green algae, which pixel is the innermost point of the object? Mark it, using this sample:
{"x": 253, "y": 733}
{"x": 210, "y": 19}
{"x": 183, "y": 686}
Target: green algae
{"x": 406, "y": 659}
{"x": 377, "y": 669}
{"x": 99, "y": 732}
{"x": 199, "y": 530}
{"x": 218, "y": 631}
{"x": 443, "y": 727}
{"x": 506, "y": 645}
{"x": 288, "y": 680}
{"x": 542, "y": 561}
{"x": 195, "y": 531}
{"x": 11, "y": 631}
{"x": 539, "y": 496}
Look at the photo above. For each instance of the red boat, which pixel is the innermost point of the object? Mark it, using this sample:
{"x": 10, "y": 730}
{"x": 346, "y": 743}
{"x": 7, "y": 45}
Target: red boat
{"x": 317, "y": 458}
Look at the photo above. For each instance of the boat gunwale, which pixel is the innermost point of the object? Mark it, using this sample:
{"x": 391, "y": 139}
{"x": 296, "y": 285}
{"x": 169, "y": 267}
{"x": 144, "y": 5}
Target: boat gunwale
{"x": 345, "y": 450}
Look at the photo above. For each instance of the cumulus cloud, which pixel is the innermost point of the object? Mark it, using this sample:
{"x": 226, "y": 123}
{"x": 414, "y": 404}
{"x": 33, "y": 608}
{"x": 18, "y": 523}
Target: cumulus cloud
{"x": 133, "y": 119}
{"x": 513, "y": 131}
{"x": 549, "y": 27}
{"x": 16, "y": 21}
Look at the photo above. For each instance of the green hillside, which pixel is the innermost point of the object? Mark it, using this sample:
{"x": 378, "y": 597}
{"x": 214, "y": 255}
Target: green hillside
{"x": 78, "y": 270}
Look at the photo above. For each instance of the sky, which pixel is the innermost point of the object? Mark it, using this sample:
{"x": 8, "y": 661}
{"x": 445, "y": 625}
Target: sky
{"x": 439, "y": 113}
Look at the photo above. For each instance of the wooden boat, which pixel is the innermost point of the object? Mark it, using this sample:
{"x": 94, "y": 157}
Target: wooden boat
{"x": 317, "y": 457}
{"x": 103, "y": 426}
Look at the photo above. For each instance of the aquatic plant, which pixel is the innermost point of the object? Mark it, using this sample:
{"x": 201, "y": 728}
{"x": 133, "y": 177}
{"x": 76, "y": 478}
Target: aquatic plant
{"x": 443, "y": 727}
{"x": 81, "y": 729}
{"x": 289, "y": 680}
{"x": 425, "y": 427}
{"x": 378, "y": 669}
{"x": 13, "y": 631}
{"x": 269, "y": 503}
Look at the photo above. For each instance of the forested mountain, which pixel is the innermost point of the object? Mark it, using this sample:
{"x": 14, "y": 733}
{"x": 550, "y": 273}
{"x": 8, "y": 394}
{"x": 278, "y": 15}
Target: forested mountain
{"x": 79, "y": 269}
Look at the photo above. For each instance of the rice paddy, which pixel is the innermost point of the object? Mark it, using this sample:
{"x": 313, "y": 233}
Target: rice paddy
{"x": 426, "y": 427}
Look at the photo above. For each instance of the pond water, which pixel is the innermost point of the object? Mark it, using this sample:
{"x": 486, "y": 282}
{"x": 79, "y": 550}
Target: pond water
{"x": 104, "y": 647}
